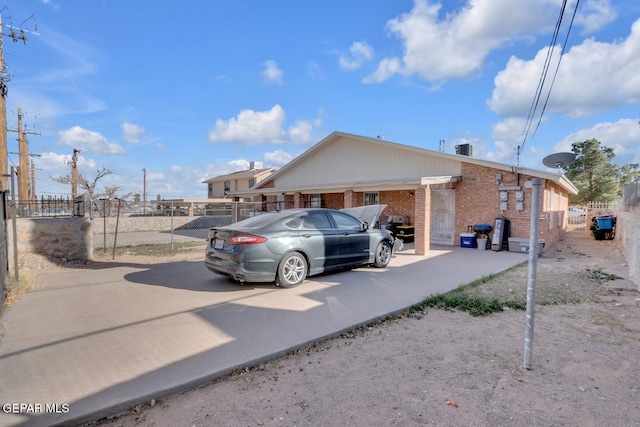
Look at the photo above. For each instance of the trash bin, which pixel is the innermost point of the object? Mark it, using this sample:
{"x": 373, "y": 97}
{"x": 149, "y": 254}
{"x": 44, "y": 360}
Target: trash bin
{"x": 482, "y": 243}
{"x": 603, "y": 227}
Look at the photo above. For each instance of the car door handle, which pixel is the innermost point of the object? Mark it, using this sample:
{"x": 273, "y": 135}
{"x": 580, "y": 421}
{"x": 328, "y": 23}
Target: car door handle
{"x": 306, "y": 235}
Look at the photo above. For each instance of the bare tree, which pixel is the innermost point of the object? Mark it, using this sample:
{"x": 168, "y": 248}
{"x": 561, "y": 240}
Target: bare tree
{"x": 88, "y": 185}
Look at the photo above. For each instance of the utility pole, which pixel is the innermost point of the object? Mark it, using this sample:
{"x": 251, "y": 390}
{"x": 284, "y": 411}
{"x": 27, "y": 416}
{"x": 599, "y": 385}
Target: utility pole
{"x": 144, "y": 191}
{"x": 74, "y": 174}
{"x": 32, "y": 194}
{"x": 23, "y": 152}
{"x": 4, "y": 78}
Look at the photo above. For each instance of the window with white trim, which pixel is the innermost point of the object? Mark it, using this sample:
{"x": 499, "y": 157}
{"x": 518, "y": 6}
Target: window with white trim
{"x": 315, "y": 201}
{"x": 371, "y": 198}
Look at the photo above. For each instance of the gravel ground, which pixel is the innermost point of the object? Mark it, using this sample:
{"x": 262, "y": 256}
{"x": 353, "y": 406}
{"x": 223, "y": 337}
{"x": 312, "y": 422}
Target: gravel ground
{"x": 448, "y": 368}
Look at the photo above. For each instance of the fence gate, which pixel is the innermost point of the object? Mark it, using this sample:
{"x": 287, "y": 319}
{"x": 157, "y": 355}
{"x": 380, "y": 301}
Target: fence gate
{"x": 577, "y": 220}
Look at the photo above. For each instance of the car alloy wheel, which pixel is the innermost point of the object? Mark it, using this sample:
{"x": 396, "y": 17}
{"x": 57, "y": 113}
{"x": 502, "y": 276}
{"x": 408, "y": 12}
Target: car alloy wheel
{"x": 383, "y": 254}
{"x": 292, "y": 270}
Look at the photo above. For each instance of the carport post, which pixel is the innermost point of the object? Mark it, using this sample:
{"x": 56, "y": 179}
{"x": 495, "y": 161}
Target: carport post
{"x": 531, "y": 278}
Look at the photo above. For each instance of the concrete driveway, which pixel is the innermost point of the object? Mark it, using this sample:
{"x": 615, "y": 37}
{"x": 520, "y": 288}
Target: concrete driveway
{"x": 93, "y": 342}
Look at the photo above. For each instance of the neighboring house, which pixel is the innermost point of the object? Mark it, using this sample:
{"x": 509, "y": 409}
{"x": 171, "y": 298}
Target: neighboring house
{"x": 438, "y": 194}
{"x": 220, "y": 187}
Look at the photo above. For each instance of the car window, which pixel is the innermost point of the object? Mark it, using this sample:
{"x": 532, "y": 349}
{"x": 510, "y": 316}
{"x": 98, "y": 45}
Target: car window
{"x": 316, "y": 220}
{"x": 345, "y": 222}
{"x": 293, "y": 223}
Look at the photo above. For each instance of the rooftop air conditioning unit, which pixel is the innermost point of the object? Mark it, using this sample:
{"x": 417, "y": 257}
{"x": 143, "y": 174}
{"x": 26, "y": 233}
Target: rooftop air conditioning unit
{"x": 464, "y": 150}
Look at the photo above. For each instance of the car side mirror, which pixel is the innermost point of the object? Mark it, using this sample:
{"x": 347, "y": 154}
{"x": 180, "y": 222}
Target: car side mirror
{"x": 365, "y": 226}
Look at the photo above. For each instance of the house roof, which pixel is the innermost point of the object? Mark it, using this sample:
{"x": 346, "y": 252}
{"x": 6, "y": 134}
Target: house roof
{"x": 250, "y": 173}
{"x": 387, "y": 184}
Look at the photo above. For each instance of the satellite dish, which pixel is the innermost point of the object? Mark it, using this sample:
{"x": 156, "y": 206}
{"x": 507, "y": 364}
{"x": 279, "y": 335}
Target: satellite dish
{"x": 559, "y": 160}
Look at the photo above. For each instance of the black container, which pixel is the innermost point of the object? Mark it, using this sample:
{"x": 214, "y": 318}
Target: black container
{"x": 482, "y": 228}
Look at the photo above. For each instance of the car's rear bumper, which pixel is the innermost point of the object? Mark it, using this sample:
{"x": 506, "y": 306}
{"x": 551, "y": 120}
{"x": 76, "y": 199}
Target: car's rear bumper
{"x": 237, "y": 271}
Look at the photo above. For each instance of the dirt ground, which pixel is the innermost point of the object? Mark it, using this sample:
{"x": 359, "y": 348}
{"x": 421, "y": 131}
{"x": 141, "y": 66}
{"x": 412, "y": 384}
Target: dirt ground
{"x": 448, "y": 368}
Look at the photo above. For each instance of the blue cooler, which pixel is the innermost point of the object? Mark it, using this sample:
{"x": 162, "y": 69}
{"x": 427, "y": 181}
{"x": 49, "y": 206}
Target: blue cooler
{"x": 468, "y": 240}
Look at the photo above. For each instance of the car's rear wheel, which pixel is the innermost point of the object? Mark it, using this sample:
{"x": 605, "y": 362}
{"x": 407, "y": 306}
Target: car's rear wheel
{"x": 292, "y": 270}
{"x": 383, "y": 254}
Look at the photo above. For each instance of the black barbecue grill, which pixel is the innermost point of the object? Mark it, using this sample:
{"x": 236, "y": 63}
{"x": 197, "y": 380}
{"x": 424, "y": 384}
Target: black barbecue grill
{"x": 482, "y": 230}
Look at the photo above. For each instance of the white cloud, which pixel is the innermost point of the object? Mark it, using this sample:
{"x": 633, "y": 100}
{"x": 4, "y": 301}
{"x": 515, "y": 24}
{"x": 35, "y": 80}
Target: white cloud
{"x": 595, "y": 14}
{"x": 593, "y": 76}
{"x": 261, "y": 127}
{"x": 387, "y": 68}
{"x": 623, "y": 136}
{"x": 52, "y": 165}
{"x": 315, "y": 72}
{"x": 278, "y": 158}
{"x": 272, "y": 73}
{"x": 508, "y": 135}
{"x": 360, "y": 53}
{"x": 132, "y": 133}
{"x": 88, "y": 141}
{"x": 51, "y": 3}
{"x": 440, "y": 47}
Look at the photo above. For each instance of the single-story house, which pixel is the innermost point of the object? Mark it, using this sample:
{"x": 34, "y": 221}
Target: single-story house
{"x": 221, "y": 186}
{"x": 436, "y": 196}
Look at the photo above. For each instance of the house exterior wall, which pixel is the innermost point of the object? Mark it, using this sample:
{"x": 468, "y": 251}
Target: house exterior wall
{"x": 238, "y": 181}
{"x": 401, "y": 202}
{"x": 478, "y": 202}
{"x": 375, "y": 162}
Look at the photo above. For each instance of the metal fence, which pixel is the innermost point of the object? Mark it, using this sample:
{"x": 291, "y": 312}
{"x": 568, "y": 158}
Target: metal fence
{"x": 45, "y": 207}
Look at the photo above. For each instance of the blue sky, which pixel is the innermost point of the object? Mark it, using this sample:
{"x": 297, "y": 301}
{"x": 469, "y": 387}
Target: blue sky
{"x": 195, "y": 89}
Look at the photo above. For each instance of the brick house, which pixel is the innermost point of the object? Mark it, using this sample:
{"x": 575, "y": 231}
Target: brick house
{"x": 437, "y": 195}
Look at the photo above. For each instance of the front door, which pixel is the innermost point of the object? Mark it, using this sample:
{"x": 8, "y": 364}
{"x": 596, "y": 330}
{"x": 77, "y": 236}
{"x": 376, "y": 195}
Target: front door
{"x": 442, "y": 216}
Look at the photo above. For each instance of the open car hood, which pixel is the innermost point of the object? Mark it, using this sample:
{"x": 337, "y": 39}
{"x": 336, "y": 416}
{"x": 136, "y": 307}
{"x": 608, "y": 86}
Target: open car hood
{"x": 368, "y": 214}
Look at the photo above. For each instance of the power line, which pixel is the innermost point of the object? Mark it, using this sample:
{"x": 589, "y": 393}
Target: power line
{"x": 543, "y": 77}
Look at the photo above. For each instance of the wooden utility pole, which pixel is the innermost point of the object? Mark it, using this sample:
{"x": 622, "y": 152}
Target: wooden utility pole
{"x": 4, "y": 78}
{"x": 23, "y": 169}
{"x": 74, "y": 174}
{"x": 3, "y": 118}
{"x": 15, "y": 34}
{"x": 33, "y": 198}
{"x": 144, "y": 191}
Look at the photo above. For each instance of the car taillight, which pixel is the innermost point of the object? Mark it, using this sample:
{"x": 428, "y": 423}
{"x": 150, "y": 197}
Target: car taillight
{"x": 246, "y": 239}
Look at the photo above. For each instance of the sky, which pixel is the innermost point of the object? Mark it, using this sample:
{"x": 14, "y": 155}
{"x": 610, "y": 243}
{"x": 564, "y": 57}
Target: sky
{"x": 191, "y": 90}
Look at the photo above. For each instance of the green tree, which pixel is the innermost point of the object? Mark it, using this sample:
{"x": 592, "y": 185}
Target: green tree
{"x": 594, "y": 173}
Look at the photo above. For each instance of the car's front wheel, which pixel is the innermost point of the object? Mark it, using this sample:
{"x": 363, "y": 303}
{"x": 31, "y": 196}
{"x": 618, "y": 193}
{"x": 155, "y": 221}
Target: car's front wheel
{"x": 383, "y": 254}
{"x": 292, "y": 270}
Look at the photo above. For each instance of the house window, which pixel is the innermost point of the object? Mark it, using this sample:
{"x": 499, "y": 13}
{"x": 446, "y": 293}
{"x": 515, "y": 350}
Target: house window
{"x": 371, "y": 198}
{"x": 252, "y": 182}
{"x": 210, "y": 190}
{"x": 227, "y": 187}
{"x": 315, "y": 201}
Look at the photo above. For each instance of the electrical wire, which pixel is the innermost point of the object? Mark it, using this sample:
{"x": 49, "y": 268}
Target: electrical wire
{"x": 543, "y": 76}
{"x": 555, "y": 74}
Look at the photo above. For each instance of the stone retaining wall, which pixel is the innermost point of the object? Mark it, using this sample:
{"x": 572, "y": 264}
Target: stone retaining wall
{"x": 128, "y": 224}
{"x": 56, "y": 238}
